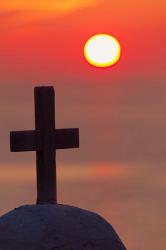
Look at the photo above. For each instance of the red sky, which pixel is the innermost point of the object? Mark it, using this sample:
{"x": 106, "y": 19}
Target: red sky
{"x": 48, "y": 37}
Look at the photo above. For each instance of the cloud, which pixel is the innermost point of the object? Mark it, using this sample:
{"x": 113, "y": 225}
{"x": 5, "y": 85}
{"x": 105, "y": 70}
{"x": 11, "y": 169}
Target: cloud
{"x": 46, "y": 5}
{"x": 16, "y": 12}
{"x": 56, "y": 7}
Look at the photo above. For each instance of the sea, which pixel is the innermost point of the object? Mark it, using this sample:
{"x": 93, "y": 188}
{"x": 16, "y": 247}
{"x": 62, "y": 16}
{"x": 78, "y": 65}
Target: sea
{"x": 131, "y": 197}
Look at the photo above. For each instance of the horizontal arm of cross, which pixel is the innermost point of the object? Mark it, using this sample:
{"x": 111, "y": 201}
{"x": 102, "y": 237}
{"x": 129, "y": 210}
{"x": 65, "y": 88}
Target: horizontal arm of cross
{"x": 32, "y": 141}
{"x": 66, "y": 138}
{"x": 25, "y": 141}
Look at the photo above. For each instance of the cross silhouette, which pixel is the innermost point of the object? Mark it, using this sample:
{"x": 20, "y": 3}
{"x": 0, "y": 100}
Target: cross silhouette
{"x": 45, "y": 139}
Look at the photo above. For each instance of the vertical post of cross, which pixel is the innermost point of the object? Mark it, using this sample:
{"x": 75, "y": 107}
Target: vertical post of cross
{"x": 45, "y": 158}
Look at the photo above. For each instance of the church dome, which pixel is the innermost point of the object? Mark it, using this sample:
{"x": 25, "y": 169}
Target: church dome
{"x": 56, "y": 227}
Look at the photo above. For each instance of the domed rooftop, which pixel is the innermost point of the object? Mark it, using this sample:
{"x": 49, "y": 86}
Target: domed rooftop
{"x": 56, "y": 227}
{"x": 47, "y": 225}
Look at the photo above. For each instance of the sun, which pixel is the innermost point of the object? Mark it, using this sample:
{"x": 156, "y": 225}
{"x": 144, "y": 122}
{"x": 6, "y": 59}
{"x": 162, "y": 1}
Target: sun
{"x": 102, "y": 50}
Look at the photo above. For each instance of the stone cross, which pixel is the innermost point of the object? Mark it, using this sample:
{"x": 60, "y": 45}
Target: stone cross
{"x": 45, "y": 139}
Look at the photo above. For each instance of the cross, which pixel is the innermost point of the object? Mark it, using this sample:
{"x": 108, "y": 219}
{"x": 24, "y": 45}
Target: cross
{"x": 45, "y": 140}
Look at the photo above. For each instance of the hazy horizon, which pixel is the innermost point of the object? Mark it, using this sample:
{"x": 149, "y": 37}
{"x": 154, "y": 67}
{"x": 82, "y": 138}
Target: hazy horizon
{"x": 130, "y": 197}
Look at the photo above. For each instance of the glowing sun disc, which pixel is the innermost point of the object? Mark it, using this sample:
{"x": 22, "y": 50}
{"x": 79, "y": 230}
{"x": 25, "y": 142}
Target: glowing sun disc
{"x": 102, "y": 50}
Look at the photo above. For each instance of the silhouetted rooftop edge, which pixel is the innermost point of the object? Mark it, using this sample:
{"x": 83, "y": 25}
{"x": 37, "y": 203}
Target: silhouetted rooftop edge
{"x": 60, "y": 227}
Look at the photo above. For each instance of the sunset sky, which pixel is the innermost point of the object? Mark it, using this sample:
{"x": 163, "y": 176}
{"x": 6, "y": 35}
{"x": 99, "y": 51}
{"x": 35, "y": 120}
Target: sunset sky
{"x": 120, "y": 110}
